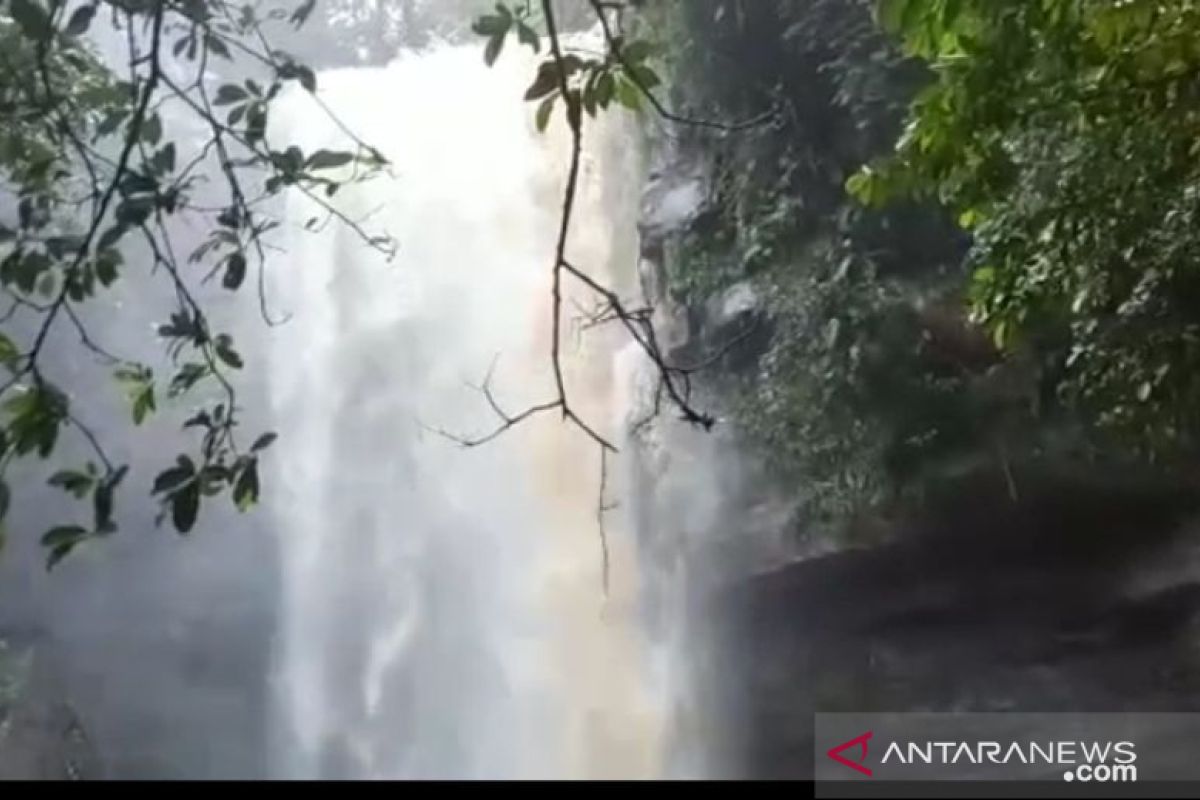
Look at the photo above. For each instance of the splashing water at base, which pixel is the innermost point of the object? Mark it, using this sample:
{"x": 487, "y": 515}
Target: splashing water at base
{"x": 444, "y": 613}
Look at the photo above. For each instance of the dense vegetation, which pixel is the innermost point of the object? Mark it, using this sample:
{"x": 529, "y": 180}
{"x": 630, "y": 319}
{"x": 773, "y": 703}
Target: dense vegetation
{"x": 970, "y": 233}
{"x": 1062, "y": 134}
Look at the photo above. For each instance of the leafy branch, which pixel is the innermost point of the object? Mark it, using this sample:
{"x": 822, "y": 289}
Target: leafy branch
{"x": 61, "y": 104}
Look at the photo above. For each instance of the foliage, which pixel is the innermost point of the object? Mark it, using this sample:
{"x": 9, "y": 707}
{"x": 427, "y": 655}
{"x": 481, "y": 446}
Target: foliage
{"x": 91, "y": 169}
{"x": 576, "y": 81}
{"x": 1062, "y": 136}
{"x": 864, "y": 389}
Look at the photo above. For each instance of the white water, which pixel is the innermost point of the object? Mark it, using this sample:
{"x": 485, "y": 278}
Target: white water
{"x": 443, "y": 613}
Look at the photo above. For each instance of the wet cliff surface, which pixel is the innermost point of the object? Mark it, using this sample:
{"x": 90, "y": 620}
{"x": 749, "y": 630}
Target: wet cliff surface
{"x": 1079, "y": 596}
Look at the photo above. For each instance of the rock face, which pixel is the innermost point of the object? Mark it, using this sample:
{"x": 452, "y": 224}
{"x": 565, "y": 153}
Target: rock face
{"x": 41, "y": 736}
{"x": 1079, "y": 596}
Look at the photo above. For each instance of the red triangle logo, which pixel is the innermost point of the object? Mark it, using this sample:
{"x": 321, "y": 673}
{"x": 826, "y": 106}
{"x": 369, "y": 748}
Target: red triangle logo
{"x": 857, "y": 741}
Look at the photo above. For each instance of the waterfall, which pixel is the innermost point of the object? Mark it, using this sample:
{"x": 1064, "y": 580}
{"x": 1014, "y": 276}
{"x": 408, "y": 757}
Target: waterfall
{"x": 443, "y": 612}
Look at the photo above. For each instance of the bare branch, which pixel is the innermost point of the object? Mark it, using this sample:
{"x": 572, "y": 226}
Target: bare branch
{"x": 506, "y": 423}
{"x": 93, "y": 441}
{"x": 601, "y": 508}
{"x": 642, "y": 332}
{"x": 575, "y": 122}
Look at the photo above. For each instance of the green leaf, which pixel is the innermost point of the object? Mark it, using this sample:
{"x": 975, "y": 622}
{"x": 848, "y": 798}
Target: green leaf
{"x": 188, "y": 376}
{"x": 574, "y": 110}
{"x": 646, "y": 77}
{"x": 225, "y": 352}
{"x": 628, "y": 94}
{"x": 46, "y": 285}
{"x": 185, "y": 505}
{"x": 300, "y": 15}
{"x": 61, "y": 541}
{"x": 328, "y": 159}
{"x": 229, "y": 93}
{"x": 164, "y": 159}
{"x": 5, "y": 500}
{"x": 951, "y": 12}
{"x": 102, "y": 500}
{"x": 491, "y": 25}
{"x": 547, "y": 81}
{"x": 152, "y": 129}
{"x": 143, "y": 404}
{"x": 216, "y": 45}
{"x": 36, "y": 414}
{"x": 245, "y": 491}
{"x": 111, "y": 236}
{"x": 77, "y": 483}
{"x": 307, "y": 79}
{"x": 263, "y": 442}
{"x": 63, "y": 534}
{"x": 8, "y": 352}
{"x": 605, "y": 87}
{"x": 256, "y": 122}
{"x": 110, "y": 123}
{"x": 235, "y": 272}
{"x": 891, "y": 14}
{"x": 494, "y": 46}
{"x": 106, "y": 267}
{"x": 31, "y": 18}
{"x": 134, "y": 211}
{"x": 527, "y": 35}
{"x": 80, "y": 20}
{"x": 170, "y": 479}
{"x": 589, "y": 99}
{"x": 544, "y": 110}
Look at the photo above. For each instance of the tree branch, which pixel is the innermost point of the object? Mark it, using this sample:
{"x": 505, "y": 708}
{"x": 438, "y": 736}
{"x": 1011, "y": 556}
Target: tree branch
{"x": 614, "y": 44}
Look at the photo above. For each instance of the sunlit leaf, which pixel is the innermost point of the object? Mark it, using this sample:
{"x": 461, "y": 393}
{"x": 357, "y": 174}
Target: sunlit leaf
{"x": 245, "y": 491}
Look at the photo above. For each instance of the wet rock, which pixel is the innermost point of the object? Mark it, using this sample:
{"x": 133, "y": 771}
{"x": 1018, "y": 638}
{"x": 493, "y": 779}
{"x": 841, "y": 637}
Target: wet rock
{"x": 733, "y": 306}
{"x": 1056, "y": 602}
{"x": 41, "y": 735}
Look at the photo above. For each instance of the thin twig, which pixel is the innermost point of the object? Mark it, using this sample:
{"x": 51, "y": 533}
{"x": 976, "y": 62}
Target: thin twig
{"x": 663, "y": 111}
{"x": 600, "y": 509}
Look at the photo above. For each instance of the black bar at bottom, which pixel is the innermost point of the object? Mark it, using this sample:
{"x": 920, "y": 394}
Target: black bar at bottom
{"x": 997, "y": 789}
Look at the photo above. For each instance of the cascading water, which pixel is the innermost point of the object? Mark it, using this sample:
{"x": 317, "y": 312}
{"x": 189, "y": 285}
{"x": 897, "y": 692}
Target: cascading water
{"x": 443, "y": 610}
